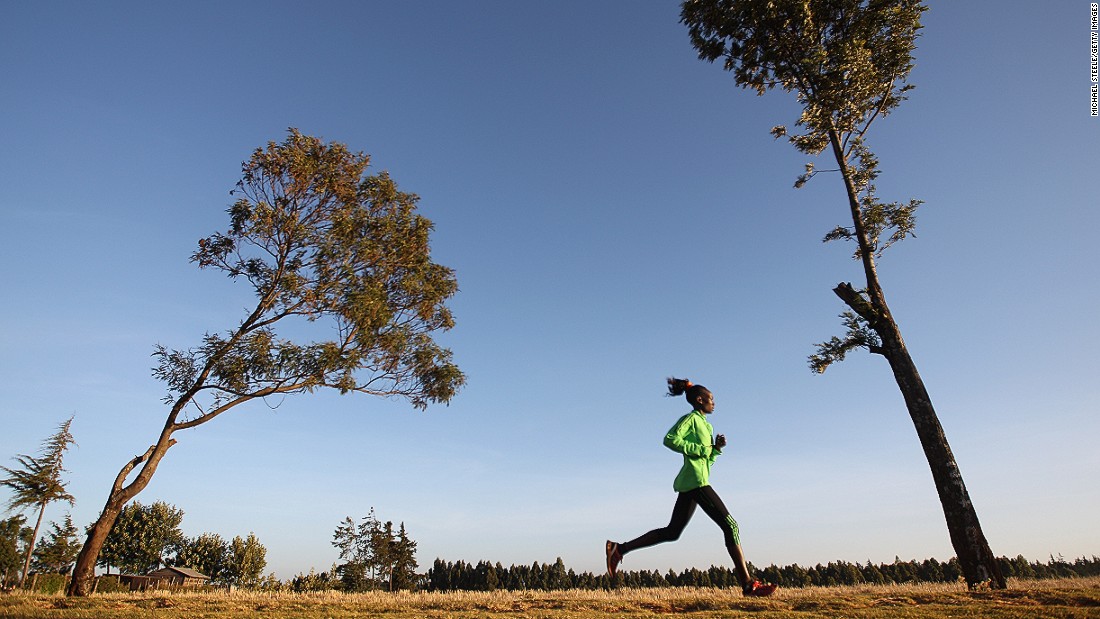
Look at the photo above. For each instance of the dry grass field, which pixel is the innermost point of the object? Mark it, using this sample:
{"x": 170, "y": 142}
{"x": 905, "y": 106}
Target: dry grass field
{"x": 1077, "y": 598}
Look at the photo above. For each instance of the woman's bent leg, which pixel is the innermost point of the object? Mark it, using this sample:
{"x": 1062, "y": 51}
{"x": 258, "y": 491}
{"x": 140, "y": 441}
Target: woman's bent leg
{"x": 681, "y": 514}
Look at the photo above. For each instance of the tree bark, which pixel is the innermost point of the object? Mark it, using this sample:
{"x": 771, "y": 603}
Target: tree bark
{"x": 84, "y": 571}
{"x": 978, "y": 564}
{"x": 30, "y": 547}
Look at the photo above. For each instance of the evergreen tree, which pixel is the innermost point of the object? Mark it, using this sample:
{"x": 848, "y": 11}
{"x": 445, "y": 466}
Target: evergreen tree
{"x": 439, "y": 576}
{"x": 931, "y": 571}
{"x": 384, "y": 554}
{"x": 557, "y": 578}
{"x": 376, "y": 556}
{"x": 404, "y": 561}
{"x": 11, "y": 543}
{"x": 872, "y": 574}
{"x": 354, "y": 544}
{"x": 37, "y": 482}
{"x": 246, "y": 562}
{"x": 57, "y": 552}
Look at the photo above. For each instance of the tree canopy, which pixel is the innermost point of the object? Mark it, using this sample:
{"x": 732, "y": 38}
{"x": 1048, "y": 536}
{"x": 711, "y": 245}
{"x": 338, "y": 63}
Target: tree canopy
{"x": 847, "y": 60}
{"x": 848, "y": 63}
{"x": 207, "y": 554}
{"x": 142, "y": 537}
{"x": 317, "y": 239}
{"x": 245, "y": 561}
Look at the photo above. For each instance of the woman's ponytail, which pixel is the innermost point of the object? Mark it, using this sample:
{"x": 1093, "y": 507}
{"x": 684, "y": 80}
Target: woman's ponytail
{"x": 678, "y": 386}
{"x": 690, "y": 391}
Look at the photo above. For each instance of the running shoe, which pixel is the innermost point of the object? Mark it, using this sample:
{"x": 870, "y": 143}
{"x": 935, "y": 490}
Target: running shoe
{"x": 759, "y": 590}
{"x": 613, "y": 558}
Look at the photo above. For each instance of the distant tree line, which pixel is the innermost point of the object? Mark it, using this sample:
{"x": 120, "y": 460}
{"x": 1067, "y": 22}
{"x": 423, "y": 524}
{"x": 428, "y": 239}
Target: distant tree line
{"x": 485, "y": 576}
{"x": 147, "y": 537}
{"x": 144, "y": 538}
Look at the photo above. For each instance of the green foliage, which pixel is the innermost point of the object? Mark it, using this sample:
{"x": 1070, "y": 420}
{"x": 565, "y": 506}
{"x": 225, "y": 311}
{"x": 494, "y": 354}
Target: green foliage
{"x": 48, "y": 583}
{"x": 313, "y": 581}
{"x": 375, "y": 556}
{"x": 246, "y": 562}
{"x": 876, "y": 218}
{"x": 142, "y": 537}
{"x": 207, "y": 554}
{"x": 848, "y": 62}
{"x": 319, "y": 240}
{"x": 12, "y": 536}
{"x": 462, "y": 576}
{"x": 859, "y": 335}
{"x": 57, "y": 552}
{"x": 38, "y": 480}
{"x": 110, "y": 584}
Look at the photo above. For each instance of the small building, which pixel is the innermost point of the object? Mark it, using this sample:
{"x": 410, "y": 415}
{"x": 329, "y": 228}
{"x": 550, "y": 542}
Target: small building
{"x": 166, "y": 578}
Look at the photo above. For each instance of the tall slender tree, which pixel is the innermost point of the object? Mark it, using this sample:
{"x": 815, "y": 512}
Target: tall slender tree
{"x": 38, "y": 482}
{"x": 403, "y": 575}
{"x": 331, "y": 252}
{"x": 848, "y": 62}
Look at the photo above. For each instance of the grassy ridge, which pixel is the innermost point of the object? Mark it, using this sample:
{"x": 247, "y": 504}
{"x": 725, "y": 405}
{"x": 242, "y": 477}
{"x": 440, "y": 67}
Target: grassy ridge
{"x": 1077, "y": 598}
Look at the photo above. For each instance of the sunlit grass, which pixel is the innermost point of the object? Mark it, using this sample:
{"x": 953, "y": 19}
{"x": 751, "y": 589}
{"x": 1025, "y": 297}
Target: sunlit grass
{"x": 1077, "y": 598}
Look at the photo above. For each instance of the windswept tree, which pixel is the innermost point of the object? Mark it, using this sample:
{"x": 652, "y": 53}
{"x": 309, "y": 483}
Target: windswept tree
{"x": 848, "y": 62}
{"x": 346, "y": 297}
{"x": 37, "y": 482}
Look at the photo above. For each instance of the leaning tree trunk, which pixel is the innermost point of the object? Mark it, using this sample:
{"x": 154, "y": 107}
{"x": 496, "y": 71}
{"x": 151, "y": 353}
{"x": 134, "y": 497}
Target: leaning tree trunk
{"x": 84, "y": 571}
{"x": 976, "y": 559}
{"x": 30, "y": 547}
{"x": 971, "y": 548}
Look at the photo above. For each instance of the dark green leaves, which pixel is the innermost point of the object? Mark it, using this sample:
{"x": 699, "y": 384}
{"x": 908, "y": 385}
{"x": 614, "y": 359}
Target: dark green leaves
{"x": 37, "y": 481}
{"x": 859, "y": 335}
{"x": 142, "y": 537}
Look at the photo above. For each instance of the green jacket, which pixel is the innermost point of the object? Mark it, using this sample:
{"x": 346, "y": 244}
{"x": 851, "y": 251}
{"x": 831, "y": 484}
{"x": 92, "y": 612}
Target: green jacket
{"x": 692, "y": 436}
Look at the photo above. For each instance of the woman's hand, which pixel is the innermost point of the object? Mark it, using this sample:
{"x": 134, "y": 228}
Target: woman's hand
{"x": 720, "y": 441}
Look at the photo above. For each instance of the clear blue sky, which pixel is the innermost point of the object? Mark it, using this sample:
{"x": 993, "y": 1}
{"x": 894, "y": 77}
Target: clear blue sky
{"x": 616, "y": 212}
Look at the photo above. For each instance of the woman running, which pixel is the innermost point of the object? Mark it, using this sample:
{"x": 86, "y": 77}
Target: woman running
{"x": 691, "y": 436}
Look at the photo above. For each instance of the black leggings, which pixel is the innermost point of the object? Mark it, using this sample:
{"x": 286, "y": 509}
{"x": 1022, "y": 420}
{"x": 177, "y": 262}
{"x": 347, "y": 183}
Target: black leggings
{"x": 712, "y": 505}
